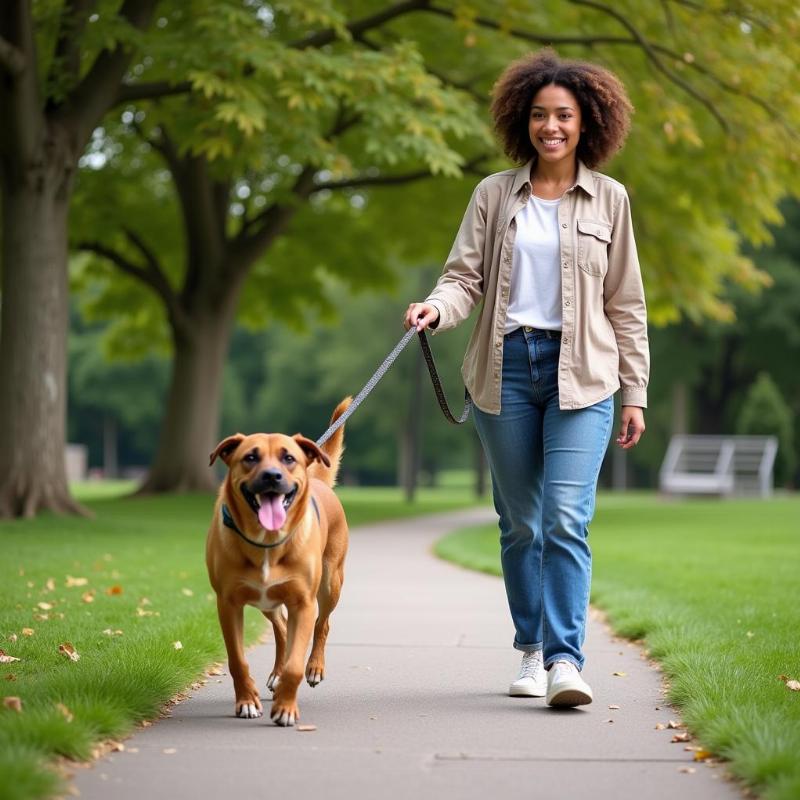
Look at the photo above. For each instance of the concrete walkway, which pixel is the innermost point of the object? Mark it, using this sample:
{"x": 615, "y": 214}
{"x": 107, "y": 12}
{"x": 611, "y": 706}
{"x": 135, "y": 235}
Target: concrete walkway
{"x": 414, "y": 706}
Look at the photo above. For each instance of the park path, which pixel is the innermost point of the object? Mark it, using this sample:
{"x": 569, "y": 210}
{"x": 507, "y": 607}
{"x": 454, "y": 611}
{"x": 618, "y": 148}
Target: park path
{"x": 414, "y": 706}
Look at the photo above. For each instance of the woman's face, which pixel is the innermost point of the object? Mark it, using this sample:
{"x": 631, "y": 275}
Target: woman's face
{"x": 555, "y": 124}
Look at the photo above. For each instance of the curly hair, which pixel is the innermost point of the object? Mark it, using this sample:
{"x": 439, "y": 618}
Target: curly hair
{"x": 605, "y": 107}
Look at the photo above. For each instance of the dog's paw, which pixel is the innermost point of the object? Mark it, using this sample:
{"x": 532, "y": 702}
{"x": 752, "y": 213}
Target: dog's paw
{"x": 284, "y": 717}
{"x": 315, "y": 676}
{"x": 272, "y": 681}
{"x": 248, "y": 710}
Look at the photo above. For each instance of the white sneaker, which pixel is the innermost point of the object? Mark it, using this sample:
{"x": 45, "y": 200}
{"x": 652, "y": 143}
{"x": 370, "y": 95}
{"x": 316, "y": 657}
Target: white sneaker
{"x": 532, "y": 680}
{"x": 565, "y": 687}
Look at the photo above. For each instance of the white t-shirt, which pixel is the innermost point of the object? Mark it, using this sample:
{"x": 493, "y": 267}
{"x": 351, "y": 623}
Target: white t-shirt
{"x": 535, "y": 294}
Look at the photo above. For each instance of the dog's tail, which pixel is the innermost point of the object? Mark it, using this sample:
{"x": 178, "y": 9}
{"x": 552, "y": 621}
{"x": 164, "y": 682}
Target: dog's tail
{"x": 333, "y": 448}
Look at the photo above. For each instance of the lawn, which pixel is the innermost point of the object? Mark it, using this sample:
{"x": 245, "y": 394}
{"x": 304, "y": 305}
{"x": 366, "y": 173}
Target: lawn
{"x": 127, "y": 593}
{"x": 714, "y": 590}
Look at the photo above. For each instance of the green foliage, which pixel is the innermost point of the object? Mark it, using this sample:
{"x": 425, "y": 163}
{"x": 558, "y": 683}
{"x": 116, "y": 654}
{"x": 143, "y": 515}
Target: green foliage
{"x": 269, "y": 100}
{"x": 712, "y": 601}
{"x": 765, "y": 413}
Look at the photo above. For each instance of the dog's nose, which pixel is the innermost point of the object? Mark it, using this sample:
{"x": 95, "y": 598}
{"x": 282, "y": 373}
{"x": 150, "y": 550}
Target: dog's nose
{"x": 271, "y": 476}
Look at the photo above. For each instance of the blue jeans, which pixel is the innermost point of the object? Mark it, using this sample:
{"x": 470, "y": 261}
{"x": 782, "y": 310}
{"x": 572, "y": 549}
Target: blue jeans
{"x": 544, "y": 464}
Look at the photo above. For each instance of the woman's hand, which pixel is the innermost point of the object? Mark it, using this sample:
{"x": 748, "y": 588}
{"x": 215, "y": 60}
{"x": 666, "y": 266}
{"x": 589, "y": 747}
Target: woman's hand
{"x": 421, "y": 316}
{"x": 631, "y": 426}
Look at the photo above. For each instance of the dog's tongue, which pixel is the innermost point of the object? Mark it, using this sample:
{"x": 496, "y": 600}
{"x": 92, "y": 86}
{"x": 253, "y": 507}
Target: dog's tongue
{"x": 272, "y": 514}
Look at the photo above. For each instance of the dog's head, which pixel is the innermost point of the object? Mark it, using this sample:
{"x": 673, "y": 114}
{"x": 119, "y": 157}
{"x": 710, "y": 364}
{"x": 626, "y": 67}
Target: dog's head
{"x": 267, "y": 473}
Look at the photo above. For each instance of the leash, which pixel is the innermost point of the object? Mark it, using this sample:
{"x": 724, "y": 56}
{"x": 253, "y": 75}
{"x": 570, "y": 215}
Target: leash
{"x": 383, "y": 369}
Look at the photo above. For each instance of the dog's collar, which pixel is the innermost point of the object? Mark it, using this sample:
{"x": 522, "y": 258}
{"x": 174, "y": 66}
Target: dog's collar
{"x": 228, "y": 522}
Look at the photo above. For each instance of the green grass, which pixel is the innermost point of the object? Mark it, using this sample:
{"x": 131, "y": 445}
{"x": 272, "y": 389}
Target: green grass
{"x": 143, "y": 560}
{"x": 712, "y": 588}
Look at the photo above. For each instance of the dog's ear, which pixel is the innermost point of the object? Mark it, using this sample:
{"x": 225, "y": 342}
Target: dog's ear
{"x": 311, "y": 450}
{"x": 225, "y": 448}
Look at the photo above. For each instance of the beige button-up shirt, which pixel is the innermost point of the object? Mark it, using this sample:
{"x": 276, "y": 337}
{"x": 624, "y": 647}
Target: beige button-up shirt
{"x": 603, "y": 315}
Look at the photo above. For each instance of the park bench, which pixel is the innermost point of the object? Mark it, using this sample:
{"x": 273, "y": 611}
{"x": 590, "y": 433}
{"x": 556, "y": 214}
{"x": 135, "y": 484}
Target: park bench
{"x": 725, "y": 466}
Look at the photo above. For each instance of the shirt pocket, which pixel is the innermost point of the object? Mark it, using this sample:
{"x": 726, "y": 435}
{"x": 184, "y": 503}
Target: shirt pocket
{"x": 594, "y": 238}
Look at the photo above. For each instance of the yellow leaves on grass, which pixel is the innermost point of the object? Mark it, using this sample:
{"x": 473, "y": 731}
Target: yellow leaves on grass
{"x": 65, "y": 712}
{"x": 791, "y": 684}
{"x": 6, "y": 659}
{"x": 116, "y": 589}
{"x": 27, "y": 631}
{"x": 112, "y": 632}
{"x": 88, "y": 596}
{"x": 177, "y": 645}
{"x": 70, "y": 582}
{"x": 67, "y": 649}
{"x": 12, "y": 704}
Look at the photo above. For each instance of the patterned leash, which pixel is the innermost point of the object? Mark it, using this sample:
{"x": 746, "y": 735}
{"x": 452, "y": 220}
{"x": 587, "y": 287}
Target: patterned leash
{"x": 383, "y": 369}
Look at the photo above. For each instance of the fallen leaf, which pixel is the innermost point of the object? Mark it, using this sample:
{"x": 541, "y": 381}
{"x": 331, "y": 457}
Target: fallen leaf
{"x": 702, "y": 755}
{"x": 177, "y": 645}
{"x": 141, "y": 612}
{"x": 681, "y": 737}
{"x": 112, "y": 632}
{"x": 791, "y": 684}
{"x": 44, "y": 606}
{"x": 168, "y": 751}
{"x": 50, "y": 585}
{"x": 215, "y": 670}
{"x": 12, "y": 637}
{"x": 27, "y": 631}
{"x": 75, "y": 581}
{"x": 67, "y": 649}
{"x": 5, "y": 659}
{"x": 41, "y": 617}
{"x": 13, "y": 704}
{"x": 687, "y": 770}
{"x": 116, "y": 747}
{"x": 620, "y": 674}
{"x": 65, "y": 712}
{"x": 146, "y": 723}
{"x": 673, "y": 724}
{"x": 11, "y": 676}
{"x": 614, "y": 708}
{"x": 660, "y": 726}
{"x": 115, "y": 589}
{"x": 88, "y": 597}
{"x": 144, "y": 602}
{"x": 304, "y": 728}
{"x": 187, "y": 592}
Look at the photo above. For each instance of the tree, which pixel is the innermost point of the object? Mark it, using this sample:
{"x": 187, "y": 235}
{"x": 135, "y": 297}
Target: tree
{"x": 765, "y": 413}
{"x": 57, "y": 80}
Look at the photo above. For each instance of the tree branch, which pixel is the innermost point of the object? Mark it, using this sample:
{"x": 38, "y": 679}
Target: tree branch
{"x": 130, "y": 92}
{"x": 536, "y": 38}
{"x": 72, "y": 21}
{"x": 150, "y": 275}
{"x": 97, "y": 92}
{"x": 12, "y": 59}
{"x": 654, "y": 59}
{"x": 20, "y": 99}
{"x": 375, "y": 21}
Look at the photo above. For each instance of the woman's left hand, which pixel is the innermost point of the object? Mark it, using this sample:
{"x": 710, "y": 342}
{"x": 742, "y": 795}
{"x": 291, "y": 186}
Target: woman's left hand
{"x": 631, "y": 426}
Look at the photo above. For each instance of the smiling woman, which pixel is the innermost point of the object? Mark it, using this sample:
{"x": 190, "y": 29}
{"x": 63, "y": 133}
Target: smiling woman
{"x": 548, "y": 250}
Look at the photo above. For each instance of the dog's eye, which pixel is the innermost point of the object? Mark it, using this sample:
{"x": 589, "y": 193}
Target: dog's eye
{"x": 289, "y": 459}
{"x": 250, "y": 458}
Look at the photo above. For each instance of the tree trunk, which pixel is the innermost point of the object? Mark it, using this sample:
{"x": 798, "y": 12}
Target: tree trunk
{"x": 110, "y": 450}
{"x": 33, "y": 343}
{"x": 189, "y": 430}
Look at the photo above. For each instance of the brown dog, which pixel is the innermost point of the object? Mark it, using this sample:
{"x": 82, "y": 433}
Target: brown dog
{"x": 278, "y": 539}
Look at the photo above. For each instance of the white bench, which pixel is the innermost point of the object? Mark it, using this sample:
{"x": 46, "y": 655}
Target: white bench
{"x": 719, "y": 465}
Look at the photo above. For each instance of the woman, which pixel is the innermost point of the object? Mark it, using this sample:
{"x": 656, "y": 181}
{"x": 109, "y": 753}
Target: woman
{"x": 548, "y": 249}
